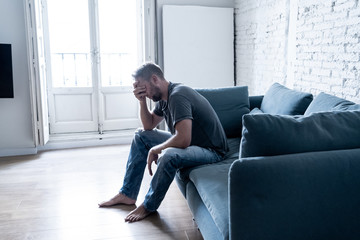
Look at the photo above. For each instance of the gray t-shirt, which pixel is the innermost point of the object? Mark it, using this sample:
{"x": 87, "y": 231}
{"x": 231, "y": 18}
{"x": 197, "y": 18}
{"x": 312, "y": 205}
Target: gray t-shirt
{"x": 185, "y": 103}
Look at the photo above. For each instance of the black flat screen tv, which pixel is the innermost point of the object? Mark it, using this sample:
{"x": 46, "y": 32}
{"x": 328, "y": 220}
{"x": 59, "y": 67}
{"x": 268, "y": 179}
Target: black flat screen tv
{"x": 6, "y": 72}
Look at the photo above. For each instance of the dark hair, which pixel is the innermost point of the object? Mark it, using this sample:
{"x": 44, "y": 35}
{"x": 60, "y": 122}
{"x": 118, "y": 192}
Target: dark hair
{"x": 146, "y": 70}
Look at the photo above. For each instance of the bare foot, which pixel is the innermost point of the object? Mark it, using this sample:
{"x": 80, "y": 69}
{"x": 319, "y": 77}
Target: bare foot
{"x": 118, "y": 199}
{"x": 138, "y": 214}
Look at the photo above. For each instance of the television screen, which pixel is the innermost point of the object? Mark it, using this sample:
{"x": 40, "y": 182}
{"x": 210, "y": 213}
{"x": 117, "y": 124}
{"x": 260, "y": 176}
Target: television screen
{"x": 6, "y": 73}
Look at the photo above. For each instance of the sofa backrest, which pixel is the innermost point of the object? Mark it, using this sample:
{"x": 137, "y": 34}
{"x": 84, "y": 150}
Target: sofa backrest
{"x": 282, "y": 100}
{"x": 255, "y": 101}
{"x": 325, "y": 103}
{"x": 230, "y": 104}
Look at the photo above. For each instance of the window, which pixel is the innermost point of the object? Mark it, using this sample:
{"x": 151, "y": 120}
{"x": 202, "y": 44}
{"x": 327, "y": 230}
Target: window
{"x": 93, "y": 48}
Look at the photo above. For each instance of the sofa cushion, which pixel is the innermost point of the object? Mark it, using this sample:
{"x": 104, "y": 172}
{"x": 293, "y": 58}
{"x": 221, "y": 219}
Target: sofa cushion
{"x": 268, "y": 135}
{"x": 212, "y": 185}
{"x": 355, "y": 107}
{"x": 281, "y": 100}
{"x": 230, "y": 104}
{"x": 325, "y": 103}
{"x": 201, "y": 215}
{"x": 182, "y": 175}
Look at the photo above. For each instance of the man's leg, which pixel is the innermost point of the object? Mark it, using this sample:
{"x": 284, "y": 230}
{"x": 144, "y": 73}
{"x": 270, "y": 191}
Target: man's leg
{"x": 172, "y": 159}
{"x": 141, "y": 144}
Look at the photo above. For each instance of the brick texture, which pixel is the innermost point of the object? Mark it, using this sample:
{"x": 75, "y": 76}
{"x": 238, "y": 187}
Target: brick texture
{"x": 326, "y": 46}
{"x": 260, "y": 43}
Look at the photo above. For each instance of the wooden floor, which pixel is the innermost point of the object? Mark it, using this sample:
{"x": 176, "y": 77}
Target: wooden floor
{"x": 54, "y": 195}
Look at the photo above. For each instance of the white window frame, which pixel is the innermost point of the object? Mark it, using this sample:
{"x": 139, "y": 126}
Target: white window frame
{"x": 40, "y": 128}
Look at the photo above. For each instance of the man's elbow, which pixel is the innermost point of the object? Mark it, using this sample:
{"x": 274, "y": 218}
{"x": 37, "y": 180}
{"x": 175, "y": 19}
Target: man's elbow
{"x": 146, "y": 128}
{"x": 185, "y": 143}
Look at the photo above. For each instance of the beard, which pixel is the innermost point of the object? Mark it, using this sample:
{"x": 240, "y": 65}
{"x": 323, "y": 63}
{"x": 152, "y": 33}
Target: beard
{"x": 157, "y": 95}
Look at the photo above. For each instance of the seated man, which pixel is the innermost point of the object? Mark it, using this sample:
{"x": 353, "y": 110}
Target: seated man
{"x": 196, "y": 137}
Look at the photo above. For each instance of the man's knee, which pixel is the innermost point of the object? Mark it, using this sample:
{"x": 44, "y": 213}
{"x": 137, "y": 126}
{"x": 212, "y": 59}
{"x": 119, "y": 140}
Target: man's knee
{"x": 170, "y": 156}
{"x": 140, "y": 133}
{"x": 137, "y": 135}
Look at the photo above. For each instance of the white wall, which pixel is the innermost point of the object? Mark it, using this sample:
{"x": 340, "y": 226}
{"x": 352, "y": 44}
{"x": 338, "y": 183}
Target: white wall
{"x": 323, "y": 51}
{"x": 328, "y": 48}
{"x": 199, "y": 45}
{"x": 261, "y": 39}
{"x": 15, "y": 114}
{"x": 160, "y": 3}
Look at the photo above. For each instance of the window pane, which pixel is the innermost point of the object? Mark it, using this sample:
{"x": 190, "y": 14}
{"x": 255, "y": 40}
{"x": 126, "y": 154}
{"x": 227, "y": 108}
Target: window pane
{"x": 69, "y": 43}
{"x": 118, "y": 41}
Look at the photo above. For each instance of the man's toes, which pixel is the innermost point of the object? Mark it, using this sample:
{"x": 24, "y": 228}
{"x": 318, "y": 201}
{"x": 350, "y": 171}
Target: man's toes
{"x": 132, "y": 218}
{"x": 106, "y": 204}
{"x": 128, "y": 218}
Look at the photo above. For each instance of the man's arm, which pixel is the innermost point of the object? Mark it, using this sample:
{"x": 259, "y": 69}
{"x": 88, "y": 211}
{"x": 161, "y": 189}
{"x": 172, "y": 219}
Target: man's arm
{"x": 149, "y": 119}
{"x": 181, "y": 139}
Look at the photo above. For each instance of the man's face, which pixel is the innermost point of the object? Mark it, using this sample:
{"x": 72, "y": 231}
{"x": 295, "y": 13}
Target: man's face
{"x": 153, "y": 92}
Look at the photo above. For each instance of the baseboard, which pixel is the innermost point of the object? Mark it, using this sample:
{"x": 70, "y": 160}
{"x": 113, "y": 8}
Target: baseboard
{"x": 73, "y": 141}
{"x": 18, "y": 152}
{"x": 52, "y": 145}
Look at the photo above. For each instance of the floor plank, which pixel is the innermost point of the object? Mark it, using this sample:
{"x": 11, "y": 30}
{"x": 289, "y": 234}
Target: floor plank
{"x": 54, "y": 195}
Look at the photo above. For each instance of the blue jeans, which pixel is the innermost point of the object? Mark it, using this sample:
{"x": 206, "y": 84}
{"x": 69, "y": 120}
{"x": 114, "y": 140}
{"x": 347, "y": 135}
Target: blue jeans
{"x": 170, "y": 160}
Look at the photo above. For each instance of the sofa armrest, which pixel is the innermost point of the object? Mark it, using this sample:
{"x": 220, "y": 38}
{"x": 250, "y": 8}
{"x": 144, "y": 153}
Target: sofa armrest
{"x": 255, "y": 102}
{"x": 312, "y": 195}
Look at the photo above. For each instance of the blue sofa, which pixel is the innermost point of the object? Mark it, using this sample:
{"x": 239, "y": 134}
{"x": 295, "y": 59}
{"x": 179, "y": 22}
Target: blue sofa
{"x": 292, "y": 170}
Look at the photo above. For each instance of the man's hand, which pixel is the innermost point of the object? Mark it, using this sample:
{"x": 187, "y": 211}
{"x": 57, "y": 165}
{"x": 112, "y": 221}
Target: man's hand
{"x": 153, "y": 157}
{"x": 181, "y": 139}
{"x": 139, "y": 92}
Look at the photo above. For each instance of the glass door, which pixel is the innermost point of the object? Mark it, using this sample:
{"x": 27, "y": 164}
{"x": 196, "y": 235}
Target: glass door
{"x": 119, "y": 54}
{"x": 94, "y": 47}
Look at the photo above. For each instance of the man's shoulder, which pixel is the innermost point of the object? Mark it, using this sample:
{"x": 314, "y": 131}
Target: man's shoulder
{"x": 180, "y": 89}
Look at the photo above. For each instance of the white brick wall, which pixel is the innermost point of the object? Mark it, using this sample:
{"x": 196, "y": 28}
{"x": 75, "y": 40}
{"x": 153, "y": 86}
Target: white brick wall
{"x": 326, "y": 46}
{"x": 327, "y": 51}
{"x": 260, "y": 43}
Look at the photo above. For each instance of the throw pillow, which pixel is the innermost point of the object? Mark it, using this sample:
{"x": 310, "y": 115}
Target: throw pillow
{"x": 268, "y": 135}
{"x": 325, "y": 103}
{"x": 355, "y": 107}
{"x": 281, "y": 100}
{"x": 230, "y": 104}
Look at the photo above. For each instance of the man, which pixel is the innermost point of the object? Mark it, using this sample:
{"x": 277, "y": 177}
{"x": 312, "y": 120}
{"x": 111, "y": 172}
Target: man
{"x": 196, "y": 137}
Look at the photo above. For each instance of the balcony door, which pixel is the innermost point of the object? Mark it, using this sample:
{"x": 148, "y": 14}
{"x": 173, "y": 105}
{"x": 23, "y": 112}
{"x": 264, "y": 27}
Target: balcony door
{"x": 93, "y": 47}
